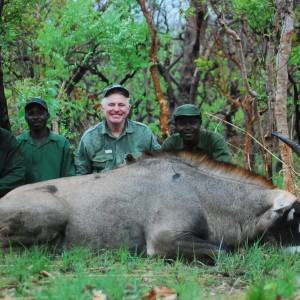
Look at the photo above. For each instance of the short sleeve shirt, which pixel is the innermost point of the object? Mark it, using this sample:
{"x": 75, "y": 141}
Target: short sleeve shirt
{"x": 100, "y": 150}
{"x": 51, "y": 159}
{"x": 210, "y": 143}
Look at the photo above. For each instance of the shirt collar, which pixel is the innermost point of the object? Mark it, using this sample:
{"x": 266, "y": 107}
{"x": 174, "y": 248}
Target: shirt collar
{"x": 129, "y": 128}
{"x": 52, "y": 136}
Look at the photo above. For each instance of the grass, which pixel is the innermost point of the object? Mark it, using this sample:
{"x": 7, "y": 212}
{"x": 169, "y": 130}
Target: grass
{"x": 252, "y": 273}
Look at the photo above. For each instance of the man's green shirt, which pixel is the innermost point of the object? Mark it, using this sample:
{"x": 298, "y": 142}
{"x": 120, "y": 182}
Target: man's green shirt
{"x": 49, "y": 160}
{"x": 12, "y": 167}
{"x": 100, "y": 150}
{"x": 210, "y": 143}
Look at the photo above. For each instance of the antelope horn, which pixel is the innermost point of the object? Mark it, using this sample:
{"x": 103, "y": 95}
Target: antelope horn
{"x": 293, "y": 145}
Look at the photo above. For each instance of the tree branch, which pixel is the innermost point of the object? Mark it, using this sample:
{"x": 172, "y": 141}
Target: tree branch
{"x": 239, "y": 49}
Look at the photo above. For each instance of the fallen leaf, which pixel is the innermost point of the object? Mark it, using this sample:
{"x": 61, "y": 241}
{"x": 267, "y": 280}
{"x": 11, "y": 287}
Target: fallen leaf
{"x": 163, "y": 292}
{"x": 98, "y": 295}
{"x": 45, "y": 274}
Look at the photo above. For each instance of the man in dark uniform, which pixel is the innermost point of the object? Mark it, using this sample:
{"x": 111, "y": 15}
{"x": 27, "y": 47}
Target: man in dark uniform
{"x": 12, "y": 167}
{"x": 190, "y": 137}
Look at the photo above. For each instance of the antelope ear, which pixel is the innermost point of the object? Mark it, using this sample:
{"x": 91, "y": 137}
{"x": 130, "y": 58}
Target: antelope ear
{"x": 282, "y": 204}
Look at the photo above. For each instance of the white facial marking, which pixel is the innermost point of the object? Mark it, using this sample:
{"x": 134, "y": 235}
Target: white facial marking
{"x": 290, "y": 216}
{"x": 291, "y": 250}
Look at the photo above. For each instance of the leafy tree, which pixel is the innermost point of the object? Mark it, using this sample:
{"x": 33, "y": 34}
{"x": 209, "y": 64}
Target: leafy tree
{"x": 81, "y": 48}
{"x": 12, "y": 52}
{"x": 219, "y": 55}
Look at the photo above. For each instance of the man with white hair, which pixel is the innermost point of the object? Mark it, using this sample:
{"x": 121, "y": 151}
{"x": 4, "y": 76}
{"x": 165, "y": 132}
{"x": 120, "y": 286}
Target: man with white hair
{"x": 106, "y": 145}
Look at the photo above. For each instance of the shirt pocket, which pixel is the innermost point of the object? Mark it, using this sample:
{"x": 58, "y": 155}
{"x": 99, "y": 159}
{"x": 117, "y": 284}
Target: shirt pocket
{"x": 100, "y": 162}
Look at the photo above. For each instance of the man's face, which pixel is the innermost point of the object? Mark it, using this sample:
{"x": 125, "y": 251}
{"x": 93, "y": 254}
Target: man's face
{"x": 116, "y": 108}
{"x": 188, "y": 128}
{"x": 36, "y": 117}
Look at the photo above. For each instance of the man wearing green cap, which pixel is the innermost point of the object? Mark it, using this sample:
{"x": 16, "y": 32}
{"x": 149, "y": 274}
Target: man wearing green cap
{"x": 190, "y": 137}
{"x": 47, "y": 155}
{"x": 107, "y": 144}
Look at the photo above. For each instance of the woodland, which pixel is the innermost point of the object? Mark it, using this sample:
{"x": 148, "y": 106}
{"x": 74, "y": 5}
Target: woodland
{"x": 237, "y": 60}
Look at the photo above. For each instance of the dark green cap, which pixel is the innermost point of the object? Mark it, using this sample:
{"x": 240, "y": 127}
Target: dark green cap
{"x": 116, "y": 88}
{"x": 187, "y": 110}
{"x": 38, "y": 101}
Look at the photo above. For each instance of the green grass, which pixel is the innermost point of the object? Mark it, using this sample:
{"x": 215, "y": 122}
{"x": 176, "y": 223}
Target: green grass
{"x": 252, "y": 273}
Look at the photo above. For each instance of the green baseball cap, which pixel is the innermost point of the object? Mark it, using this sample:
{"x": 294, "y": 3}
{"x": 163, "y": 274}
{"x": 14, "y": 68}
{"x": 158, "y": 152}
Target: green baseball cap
{"x": 187, "y": 110}
{"x": 116, "y": 88}
{"x": 38, "y": 101}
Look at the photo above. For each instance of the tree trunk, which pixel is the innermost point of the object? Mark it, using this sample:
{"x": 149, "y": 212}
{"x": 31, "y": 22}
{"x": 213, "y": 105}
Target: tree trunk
{"x": 287, "y": 17}
{"x": 4, "y": 119}
{"x": 154, "y": 72}
{"x": 297, "y": 106}
{"x": 248, "y": 120}
{"x": 194, "y": 39}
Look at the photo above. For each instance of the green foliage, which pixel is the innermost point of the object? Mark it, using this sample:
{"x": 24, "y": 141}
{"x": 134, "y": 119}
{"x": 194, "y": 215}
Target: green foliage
{"x": 13, "y": 16}
{"x": 283, "y": 287}
{"x": 251, "y": 10}
{"x": 212, "y": 119}
{"x": 204, "y": 64}
{"x": 79, "y": 34}
{"x": 190, "y": 11}
{"x": 155, "y": 129}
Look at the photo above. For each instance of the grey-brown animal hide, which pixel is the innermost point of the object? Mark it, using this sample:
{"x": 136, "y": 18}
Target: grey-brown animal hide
{"x": 163, "y": 204}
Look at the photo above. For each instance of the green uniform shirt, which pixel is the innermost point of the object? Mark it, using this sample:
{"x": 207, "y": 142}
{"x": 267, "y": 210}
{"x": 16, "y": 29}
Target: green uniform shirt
{"x": 49, "y": 160}
{"x": 210, "y": 143}
{"x": 100, "y": 150}
{"x": 12, "y": 168}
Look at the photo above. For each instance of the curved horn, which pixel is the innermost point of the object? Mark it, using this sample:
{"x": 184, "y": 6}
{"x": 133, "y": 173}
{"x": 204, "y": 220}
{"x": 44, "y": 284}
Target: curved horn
{"x": 293, "y": 145}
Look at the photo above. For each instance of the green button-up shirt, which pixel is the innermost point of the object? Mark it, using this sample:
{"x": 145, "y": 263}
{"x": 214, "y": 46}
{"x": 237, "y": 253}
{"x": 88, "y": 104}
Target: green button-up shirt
{"x": 12, "y": 168}
{"x": 210, "y": 143}
{"x": 100, "y": 150}
{"x": 49, "y": 160}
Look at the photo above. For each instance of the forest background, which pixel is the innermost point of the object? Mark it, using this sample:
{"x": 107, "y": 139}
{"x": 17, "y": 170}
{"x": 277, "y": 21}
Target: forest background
{"x": 237, "y": 60}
